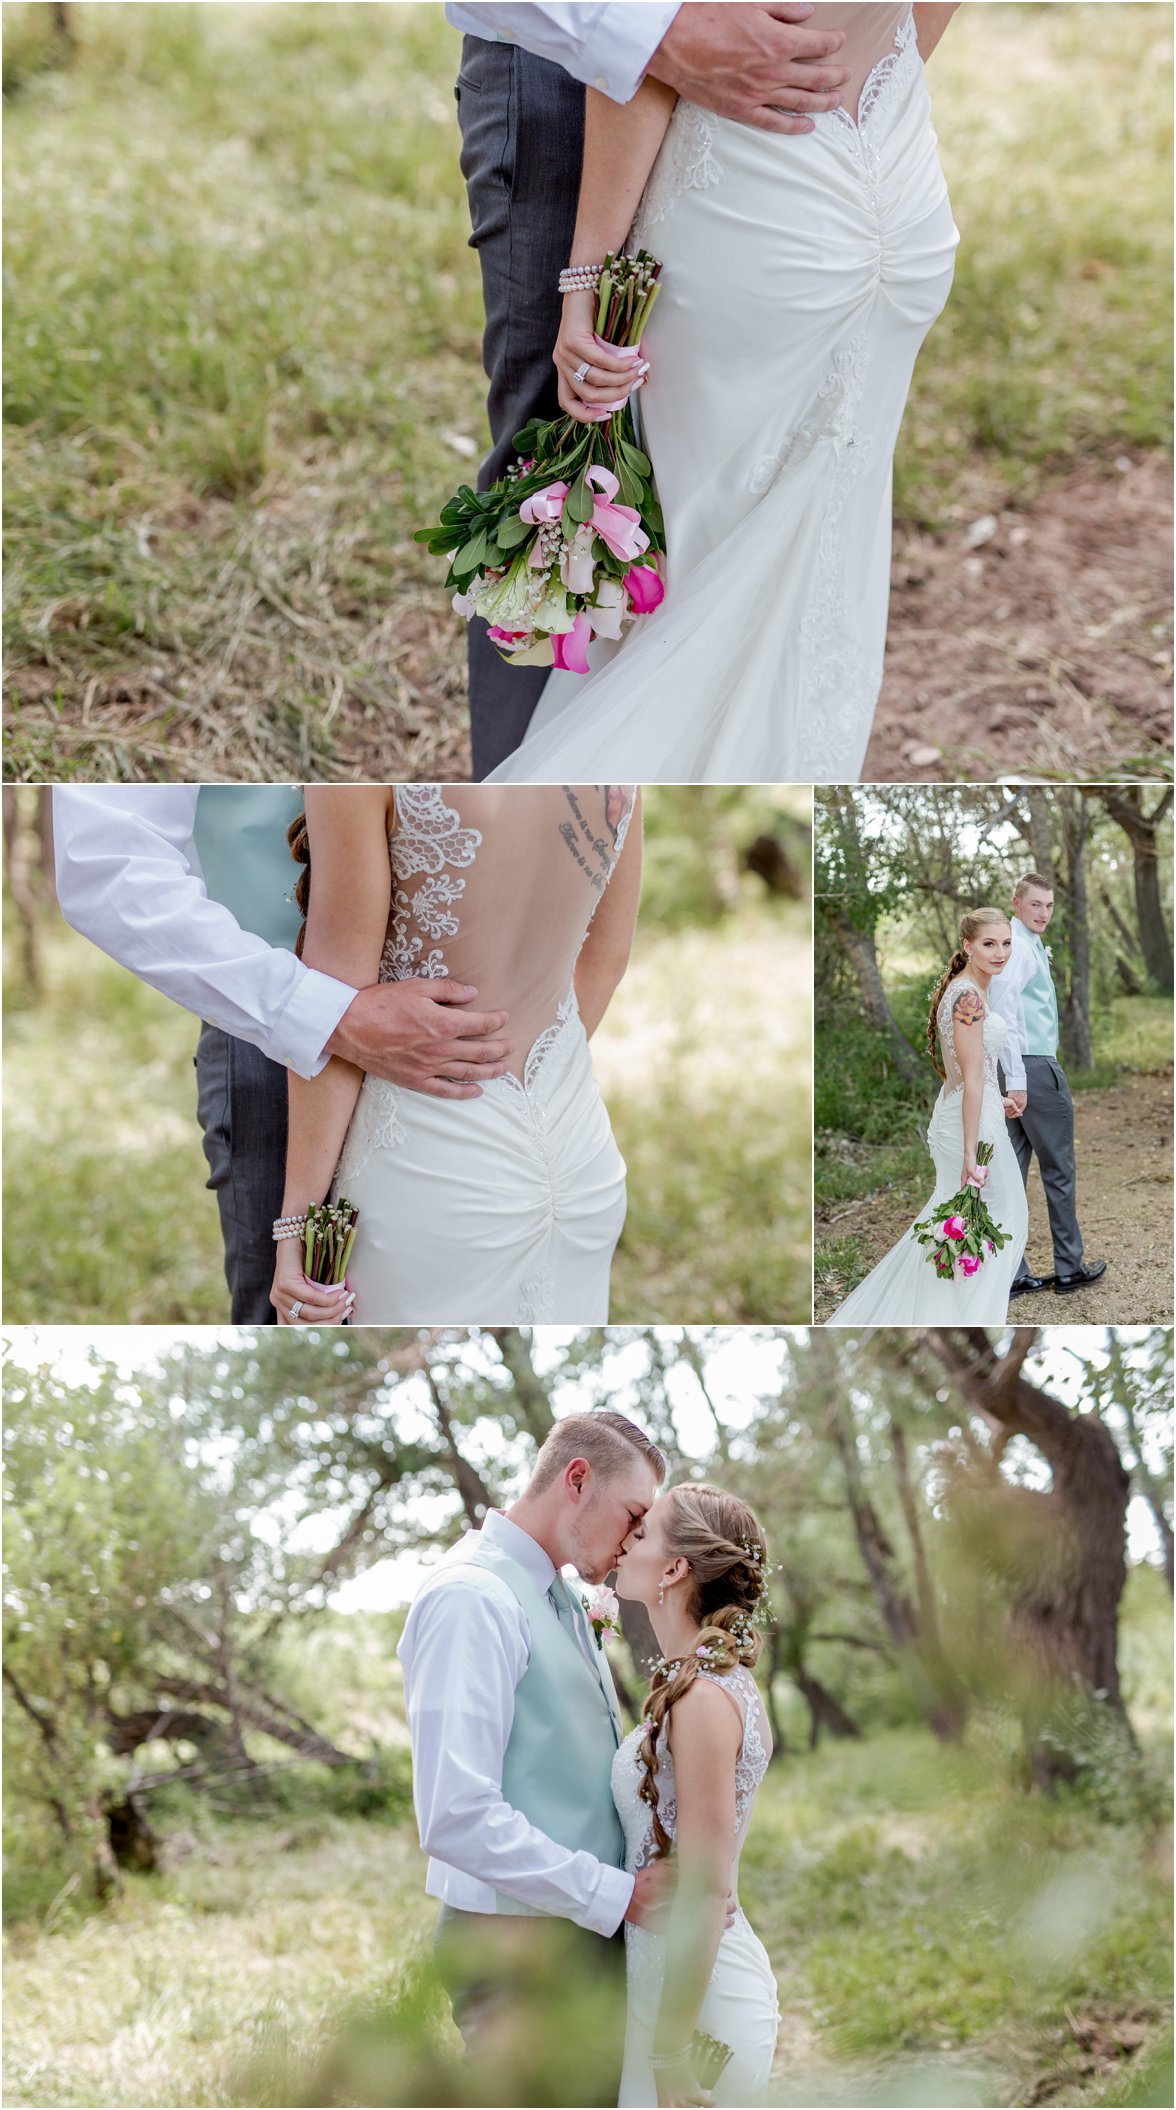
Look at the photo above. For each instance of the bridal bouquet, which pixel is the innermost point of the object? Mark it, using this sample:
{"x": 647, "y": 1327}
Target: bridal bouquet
{"x": 961, "y": 1233}
{"x": 564, "y": 546}
{"x": 327, "y": 1240}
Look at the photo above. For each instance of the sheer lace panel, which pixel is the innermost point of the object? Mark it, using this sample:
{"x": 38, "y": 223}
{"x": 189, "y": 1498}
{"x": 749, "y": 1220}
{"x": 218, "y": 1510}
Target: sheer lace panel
{"x": 750, "y": 1767}
{"x": 945, "y": 1022}
{"x": 496, "y": 885}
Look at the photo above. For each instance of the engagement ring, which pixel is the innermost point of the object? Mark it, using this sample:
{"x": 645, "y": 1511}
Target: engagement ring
{"x": 581, "y": 370}
{"x": 296, "y": 1307}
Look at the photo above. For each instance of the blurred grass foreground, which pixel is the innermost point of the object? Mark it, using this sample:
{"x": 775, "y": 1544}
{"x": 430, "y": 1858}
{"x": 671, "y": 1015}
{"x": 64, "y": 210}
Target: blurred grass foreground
{"x": 243, "y": 356}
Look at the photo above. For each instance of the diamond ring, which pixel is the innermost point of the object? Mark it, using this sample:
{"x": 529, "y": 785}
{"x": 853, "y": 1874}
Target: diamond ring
{"x": 581, "y": 371}
{"x": 296, "y": 1307}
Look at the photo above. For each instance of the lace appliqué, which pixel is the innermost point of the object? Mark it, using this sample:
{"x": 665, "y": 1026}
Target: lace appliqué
{"x": 994, "y": 1039}
{"x": 885, "y": 82}
{"x": 537, "y": 1299}
{"x": 831, "y": 418}
{"x": 686, "y": 162}
{"x": 375, "y": 1125}
{"x": 429, "y": 838}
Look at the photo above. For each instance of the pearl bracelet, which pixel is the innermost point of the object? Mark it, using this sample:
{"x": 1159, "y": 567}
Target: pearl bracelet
{"x": 661, "y": 2061}
{"x": 580, "y": 278}
{"x": 288, "y": 1227}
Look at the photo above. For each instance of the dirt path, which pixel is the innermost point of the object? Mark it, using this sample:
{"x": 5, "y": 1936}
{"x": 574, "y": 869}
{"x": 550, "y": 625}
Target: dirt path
{"x": 1124, "y": 1140}
{"x": 1035, "y": 641}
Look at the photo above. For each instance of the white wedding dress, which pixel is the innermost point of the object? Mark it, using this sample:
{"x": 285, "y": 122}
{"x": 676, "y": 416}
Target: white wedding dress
{"x": 801, "y": 275}
{"x": 740, "y": 2007}
{"x": 505, "y": 1208}
{"x": 904, "y": 1289}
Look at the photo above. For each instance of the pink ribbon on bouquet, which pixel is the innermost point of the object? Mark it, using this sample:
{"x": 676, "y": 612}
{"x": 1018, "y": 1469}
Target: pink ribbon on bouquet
{"x": 618, "y": 526}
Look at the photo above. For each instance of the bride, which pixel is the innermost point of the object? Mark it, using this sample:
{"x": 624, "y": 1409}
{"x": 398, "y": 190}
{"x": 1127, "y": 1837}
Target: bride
{"x": 685, "y": 1782}
{"x": 904, "y": 1289}
{"x": 505, "y": 1207}
{"x": 801, "y": 275}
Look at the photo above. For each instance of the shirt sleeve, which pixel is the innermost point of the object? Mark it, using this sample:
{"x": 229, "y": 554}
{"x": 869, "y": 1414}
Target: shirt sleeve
{"x": 463, "y": 1656}
{"x": 607, "y": 47}
{"x": 128, "y": 878}
{"x": 1005, "y": 996}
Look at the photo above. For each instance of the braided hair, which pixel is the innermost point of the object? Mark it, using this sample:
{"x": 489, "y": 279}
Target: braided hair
{"x": 721, "y": 1539}
{"x": 298, "y": 837}
{"x": 971, "y": 924}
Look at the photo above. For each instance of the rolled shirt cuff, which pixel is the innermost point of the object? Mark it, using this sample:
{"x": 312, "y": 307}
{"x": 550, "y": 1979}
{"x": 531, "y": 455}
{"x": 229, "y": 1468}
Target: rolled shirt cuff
{"x": 298, "y": 1040}
{"x": 609, "y": 1906}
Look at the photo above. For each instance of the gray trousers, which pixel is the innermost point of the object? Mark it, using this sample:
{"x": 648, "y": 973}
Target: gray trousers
{"x": 241, "y": 1105}
{"x": 1046, "y": 1131}
{"x": 522, "y": 133}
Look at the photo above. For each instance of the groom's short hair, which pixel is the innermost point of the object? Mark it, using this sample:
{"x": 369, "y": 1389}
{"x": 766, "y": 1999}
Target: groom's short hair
{"x": 607, "y": 1440}
{"x": 1032, "y": 879}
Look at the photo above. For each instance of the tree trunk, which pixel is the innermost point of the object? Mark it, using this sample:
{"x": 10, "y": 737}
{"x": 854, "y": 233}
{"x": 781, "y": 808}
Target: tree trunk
{"x": 825, "y": 1712}
{"x": 1075, "y": 1023}
{"x": 476, "y": 1498}
{"x": 531, "y": 1395}
{"x": 1039, "y": 832}
{"x": 1125, "y": 805}
{"x": 858, "y": 948}
{"x": 939, "y": 1706}
{"x": 1071, "y": 1561}
{"x": 18, "y": 873}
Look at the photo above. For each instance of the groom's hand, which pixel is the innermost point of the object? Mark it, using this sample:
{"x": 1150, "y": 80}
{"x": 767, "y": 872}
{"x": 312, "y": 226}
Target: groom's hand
{"x": 1015, "y": 1104}
{"x": 417, "y": 1034}
{"x": 758, "y": 65}
{"x": 653, "y": 1888}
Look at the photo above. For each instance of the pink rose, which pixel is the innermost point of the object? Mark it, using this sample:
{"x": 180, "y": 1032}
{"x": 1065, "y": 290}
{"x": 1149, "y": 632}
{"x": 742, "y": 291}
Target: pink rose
{"x": 645, "y": 587}
{"x": 969, "y": 1263}
{"x": 955, "y": 1227}
{"x": 569, "y": 646}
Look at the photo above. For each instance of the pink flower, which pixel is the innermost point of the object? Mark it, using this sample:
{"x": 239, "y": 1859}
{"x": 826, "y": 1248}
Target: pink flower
{"x": 955, "y": 1227}
{"x": 506, "y": 637}
{"x": 969, "y": 1263}
{"x": 989, "y": 1244}
{"x": 569, "y": 646}
{"x": 645, "y": 587}
{"x": 604, "y": 1614}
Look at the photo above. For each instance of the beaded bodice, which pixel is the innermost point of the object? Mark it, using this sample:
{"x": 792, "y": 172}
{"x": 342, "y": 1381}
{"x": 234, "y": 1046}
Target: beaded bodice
{"x": 750, "y": 1767}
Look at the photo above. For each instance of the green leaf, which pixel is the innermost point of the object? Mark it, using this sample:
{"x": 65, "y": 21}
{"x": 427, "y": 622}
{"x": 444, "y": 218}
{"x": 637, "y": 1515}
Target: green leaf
{"x": 579, "y": 503}
{"x": 511, "y": 531}
{"x": 471, "y": 557}
{"x": 636, "y": 459}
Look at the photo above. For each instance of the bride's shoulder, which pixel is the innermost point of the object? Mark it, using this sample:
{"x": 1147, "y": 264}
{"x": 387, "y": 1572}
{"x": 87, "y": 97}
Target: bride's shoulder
{"x": 962, "y": 1003}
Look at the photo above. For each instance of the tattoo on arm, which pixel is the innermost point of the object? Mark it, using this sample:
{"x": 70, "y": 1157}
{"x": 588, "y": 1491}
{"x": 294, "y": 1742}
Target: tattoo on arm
{"x": 595, "y": 854}
{"x": 968, "y": 1008}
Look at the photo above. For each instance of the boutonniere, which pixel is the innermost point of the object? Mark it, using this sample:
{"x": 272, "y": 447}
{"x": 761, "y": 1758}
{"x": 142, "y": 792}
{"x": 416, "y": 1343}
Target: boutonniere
{"x": 1049, "y": 953}
{"x": 604, "y": 1614}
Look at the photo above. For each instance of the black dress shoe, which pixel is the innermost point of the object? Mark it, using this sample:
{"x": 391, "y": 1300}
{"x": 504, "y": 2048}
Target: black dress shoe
{"x": 1064, "y": 1284}
{"x": 1028, "y": 1285}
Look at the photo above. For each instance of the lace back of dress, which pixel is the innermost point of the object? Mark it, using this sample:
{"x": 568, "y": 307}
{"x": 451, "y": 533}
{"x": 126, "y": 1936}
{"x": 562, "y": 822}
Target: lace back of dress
{"x": 496, "y": 886}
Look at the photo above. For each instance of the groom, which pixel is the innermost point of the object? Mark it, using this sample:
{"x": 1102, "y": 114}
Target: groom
{"x": 1041, "y": 1111}
{"x": 520, "y": 103}
{"x": 515, "y": 1723}
{"x": 191, "y": 888}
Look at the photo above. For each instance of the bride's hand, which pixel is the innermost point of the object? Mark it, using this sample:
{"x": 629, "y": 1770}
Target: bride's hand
{"x": 612, "y": 372}
{"x": 974, "y": 1175}
{"x": 318, "y": 1304}
{"x": 676, "y": 2089}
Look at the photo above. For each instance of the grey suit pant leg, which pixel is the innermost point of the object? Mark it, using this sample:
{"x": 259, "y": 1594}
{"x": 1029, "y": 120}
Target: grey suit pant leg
{"x": 522, "y": 130}
{"x": 242, "y": 1109}
{"x": 1046, "y": 1131}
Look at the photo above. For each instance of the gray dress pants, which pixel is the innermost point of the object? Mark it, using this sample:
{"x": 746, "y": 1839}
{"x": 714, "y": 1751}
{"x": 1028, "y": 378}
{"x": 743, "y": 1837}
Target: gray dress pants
{"x": 504, "y": 1970}
{"x": 241, "y": 1105}
{"x": 1046, "y": 1131}
{"x": 522, "y": 133}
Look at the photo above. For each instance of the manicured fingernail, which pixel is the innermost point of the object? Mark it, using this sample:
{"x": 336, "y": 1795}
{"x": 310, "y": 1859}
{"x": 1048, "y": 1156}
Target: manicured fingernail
{"x": 644, "y": 367}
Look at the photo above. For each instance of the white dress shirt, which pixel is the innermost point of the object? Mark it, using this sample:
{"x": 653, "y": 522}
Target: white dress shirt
{"x": 607, "y": 47}
{"x": 1005, "y": 993}
{"x": 129, "y": 879}
{"x": 465, "y": 1646}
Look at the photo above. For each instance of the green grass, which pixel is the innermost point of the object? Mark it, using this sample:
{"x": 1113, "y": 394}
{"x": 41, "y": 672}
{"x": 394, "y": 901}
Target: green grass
{"x": 243, "y": 357}
{"x": 939, "y": 1935}
{"x": 706, "y": 1081}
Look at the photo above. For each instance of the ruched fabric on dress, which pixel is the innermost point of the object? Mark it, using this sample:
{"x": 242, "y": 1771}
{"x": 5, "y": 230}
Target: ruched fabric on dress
{"x": 801, "y": 275}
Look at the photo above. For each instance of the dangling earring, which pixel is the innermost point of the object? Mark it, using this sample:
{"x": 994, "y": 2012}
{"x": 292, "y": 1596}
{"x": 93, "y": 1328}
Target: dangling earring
{"x": 661, "y": 1591}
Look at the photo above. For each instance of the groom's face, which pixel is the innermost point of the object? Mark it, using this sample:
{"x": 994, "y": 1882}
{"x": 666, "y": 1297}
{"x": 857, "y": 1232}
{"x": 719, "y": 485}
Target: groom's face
{"x": 1035, "y": 907}
{"x": 605, "y": 1513}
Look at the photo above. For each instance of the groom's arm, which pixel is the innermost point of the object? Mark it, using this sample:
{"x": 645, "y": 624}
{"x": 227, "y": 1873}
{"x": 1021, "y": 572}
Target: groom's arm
{"x": 760, "y": 65}
{"x": 129, "y": 880}
{"x": 463, "y": 1655}
{"x": 1005, "y": 996}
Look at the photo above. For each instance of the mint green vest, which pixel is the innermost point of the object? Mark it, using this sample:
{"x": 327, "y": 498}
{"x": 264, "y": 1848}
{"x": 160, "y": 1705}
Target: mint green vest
{"x": 1039, "y": 1004}
{"x": 558, "y": 1765}
{"x": 240, "y": 837}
